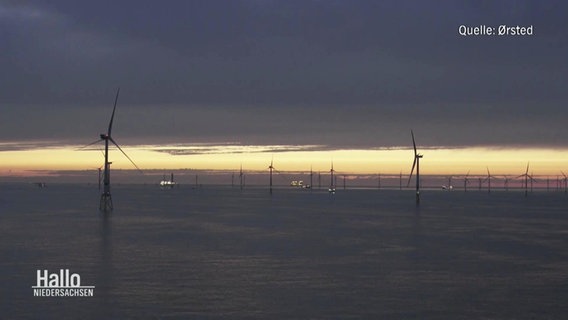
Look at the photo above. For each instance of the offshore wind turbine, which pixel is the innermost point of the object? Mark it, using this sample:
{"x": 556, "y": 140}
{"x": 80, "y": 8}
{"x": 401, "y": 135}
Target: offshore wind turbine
{"x": 565, "y": 182}
{"x": 449, "y": 187}
{"x": 547, "y": 183}
{"x": 311, "y": 178}
{"x": 241, "y": 177}
{"x": 416, "y": 164}
{"x": 465, "y": 182}
{"x": 526, "y": 176}
{"x": 332, "y": 184}
{"x": 488, "y": 179}
{"x": 100, "y": 169}
{"x": 106, "y": 197}
{"x": 271, "y": 168}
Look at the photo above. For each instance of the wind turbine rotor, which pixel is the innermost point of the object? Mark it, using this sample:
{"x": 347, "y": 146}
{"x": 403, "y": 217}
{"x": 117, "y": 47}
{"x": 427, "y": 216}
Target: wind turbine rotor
{"x": 527, "y": 171}
{"x": 90, "y": 144}
{"x": 124, "y": 153}
{"x": 412, "y": 171}
{"x": 414, "y": 143}
{"x": 112, "y": 116}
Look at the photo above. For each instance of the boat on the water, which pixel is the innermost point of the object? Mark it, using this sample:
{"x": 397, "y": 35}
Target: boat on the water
{"x": 168, "y": 183}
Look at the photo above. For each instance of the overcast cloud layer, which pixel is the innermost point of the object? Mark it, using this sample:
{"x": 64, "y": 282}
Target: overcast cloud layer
{"x": 334, "y": 73}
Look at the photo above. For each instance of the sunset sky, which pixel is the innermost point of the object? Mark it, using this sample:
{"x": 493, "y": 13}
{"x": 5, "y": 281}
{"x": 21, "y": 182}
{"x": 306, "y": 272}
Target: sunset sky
{"x": 217, "y": 84}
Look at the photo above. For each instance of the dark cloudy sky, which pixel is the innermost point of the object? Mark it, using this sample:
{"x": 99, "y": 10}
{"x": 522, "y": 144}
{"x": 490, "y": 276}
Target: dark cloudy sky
{"x": 337, "y": 73}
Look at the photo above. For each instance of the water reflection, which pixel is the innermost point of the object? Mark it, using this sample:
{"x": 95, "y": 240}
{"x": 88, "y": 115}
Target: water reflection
{"x": 105, "y": 268}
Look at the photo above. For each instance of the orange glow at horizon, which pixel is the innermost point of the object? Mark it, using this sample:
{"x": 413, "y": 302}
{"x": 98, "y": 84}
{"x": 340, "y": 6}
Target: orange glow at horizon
{"x": 435, "y": 161}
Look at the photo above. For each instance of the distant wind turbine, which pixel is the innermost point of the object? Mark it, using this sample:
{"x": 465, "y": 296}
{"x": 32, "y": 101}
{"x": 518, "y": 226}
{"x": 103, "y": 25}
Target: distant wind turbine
{"x": 449, "y": 187}
{"x": 311, "y": 178}
{"x": 241, "y": 181}
{"x": 99, "y": 169}
{"x": 332, "y": 181}
{"x": 547, "y": 184}
{"x": 565, "y": 182}
{"x": 416, "y": 164}
{"x": 527, "y": 177}
{"x": 506, "y": 183}
{"x": 488, "y": 179}
{"x": 271, "y": 168}
{"x": 106, "y": 198}
{"x": 465, "y": 182}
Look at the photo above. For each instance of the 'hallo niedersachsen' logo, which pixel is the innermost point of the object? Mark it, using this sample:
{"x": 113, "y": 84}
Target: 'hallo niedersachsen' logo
{"x": 62, "y": 284}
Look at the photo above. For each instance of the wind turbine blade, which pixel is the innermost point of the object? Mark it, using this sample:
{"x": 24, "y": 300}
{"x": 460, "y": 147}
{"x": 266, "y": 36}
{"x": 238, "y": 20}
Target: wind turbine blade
{"x": 90, "y": 144}
{"x": 527, "y": 172}
{"x": 563, "y": 174}
{"x": 467, "y": 174}
{"x": 411, "y": 171}
{"x": 113, "y": 110}
{"x": 124, "y": 153}
{"x": 413, "y": 142}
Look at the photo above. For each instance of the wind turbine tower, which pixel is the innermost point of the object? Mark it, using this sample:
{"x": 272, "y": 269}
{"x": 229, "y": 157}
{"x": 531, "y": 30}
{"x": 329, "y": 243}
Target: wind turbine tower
{"x": 311, "y": 178}
{"x": 332, "y": 184}
{"x": 241, "y": 177}
{"x": 271, "y": 167}
{"x": 565, "y": 182}
{"x": 416, "y": 164}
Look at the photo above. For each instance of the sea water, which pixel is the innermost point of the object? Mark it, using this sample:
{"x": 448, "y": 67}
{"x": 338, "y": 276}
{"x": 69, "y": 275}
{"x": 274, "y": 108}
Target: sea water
{"x": 218, "y": 252}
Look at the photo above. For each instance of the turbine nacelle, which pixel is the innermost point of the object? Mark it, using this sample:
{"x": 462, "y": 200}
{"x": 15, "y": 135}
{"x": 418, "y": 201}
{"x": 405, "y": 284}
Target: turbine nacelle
{"x": 104, "y": 136}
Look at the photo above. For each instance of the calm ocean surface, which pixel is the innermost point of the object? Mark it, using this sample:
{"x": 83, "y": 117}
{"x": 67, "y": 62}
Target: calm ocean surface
{"x": 222, "y": 253}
